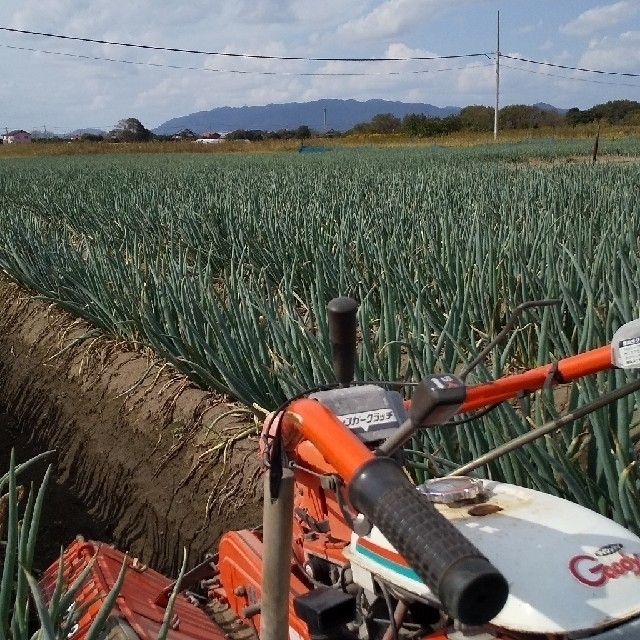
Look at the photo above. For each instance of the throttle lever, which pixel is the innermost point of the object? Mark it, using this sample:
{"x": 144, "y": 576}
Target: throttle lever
{"x": 435, "y": 399}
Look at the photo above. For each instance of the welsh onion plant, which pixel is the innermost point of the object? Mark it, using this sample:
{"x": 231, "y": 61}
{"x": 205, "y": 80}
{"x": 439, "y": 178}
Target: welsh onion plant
{"x": 18, "y": 549}
{"x": 19, "y": 589}
{"x": 225, "y": 265}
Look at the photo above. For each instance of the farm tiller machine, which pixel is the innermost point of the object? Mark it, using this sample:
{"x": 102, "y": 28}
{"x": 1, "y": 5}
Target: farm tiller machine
{"x": 351, "y": 548}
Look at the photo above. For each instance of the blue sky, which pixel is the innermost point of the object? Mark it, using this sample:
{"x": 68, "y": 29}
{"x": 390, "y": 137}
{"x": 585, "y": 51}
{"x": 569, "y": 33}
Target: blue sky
{"x": 58, "y": 83}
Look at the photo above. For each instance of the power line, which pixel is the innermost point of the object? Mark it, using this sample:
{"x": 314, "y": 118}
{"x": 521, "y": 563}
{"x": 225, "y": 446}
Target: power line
{"x": 304, "y": 58}
{"x": 242, "y": 72}
{"x": 235, "y": 55}
{"x": 311, "y": 73}
{"x": 574, "y": 79}
{"x": 568, "y": 68}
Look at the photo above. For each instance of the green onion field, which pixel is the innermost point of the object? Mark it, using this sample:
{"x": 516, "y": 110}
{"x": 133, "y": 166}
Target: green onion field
{"x": 223, "y": 264}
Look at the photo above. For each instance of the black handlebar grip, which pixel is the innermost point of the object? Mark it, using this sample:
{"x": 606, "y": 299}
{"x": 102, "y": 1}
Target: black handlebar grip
{"x": 342, "y": 335}
{"x": 469, "y": 587}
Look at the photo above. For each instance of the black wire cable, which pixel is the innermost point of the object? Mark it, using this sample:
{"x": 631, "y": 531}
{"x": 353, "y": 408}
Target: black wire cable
{"x": 238, "y": 71}
{"x": 569, "y": 68}
{"x": 474, "y": 416}
{"x": 233, "y": 55}
{"x": 392, "y": 615}
{"x": 570, "y": 78}
{"x": 311, "y": 59}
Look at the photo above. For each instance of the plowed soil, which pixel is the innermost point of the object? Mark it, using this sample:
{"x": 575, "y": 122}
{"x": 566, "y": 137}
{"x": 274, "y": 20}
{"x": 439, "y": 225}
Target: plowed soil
{"x": 140, "y": 458}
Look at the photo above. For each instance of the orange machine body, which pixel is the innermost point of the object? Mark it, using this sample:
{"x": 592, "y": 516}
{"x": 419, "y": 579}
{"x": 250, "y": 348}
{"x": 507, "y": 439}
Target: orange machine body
{"x": 135, "y": 603}
{"x": 325, "y": 455}
{"x": 319, "y": 530}
{"x": 318, "y": 445}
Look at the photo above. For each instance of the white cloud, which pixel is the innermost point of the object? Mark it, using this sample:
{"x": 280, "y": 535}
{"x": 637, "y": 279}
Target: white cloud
{"x": 395, "y": 17}
{"x": 600, "y": 18}
{"x": 162, "y": 93}
{"x": 526, "y": 29}
{"x": 529, "y": 28}
{"x": 329, "y": 12}
{"x": 476, "y": 79}
{"x": 99, "y": 102}
{"x": 265, "y": 11}
{"x": 621, "y": 54}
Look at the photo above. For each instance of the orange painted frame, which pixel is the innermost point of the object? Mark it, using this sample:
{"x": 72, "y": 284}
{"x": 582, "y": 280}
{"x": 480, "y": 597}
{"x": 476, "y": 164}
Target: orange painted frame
{"x": 307, "y": 419}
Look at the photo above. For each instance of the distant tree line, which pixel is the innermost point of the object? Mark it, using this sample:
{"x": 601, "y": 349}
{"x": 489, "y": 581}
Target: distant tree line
{"x": 301, "y": 133}
{"x": 132, "y": 130}
{"x": 621, "y": 112}
{"x": 480, "y": 118}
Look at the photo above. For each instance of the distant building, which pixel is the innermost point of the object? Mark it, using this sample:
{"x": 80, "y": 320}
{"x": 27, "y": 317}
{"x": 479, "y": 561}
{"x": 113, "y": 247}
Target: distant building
{"x": 211, "y": 137}
{"x": 16, "y": 137}
{"x": 185, "y": 134}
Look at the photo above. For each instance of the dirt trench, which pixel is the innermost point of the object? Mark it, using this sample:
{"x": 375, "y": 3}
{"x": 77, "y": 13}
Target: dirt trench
{"x": 133, "y": 440}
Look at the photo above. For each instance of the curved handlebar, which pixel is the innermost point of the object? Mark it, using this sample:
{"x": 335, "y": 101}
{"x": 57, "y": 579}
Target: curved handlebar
{"x": 565, "y": 370}
{"x": 470, "y": 588}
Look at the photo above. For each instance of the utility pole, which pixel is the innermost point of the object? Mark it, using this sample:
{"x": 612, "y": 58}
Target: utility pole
{"x": 325, "y": 119}
{"x": 495, "y": 115}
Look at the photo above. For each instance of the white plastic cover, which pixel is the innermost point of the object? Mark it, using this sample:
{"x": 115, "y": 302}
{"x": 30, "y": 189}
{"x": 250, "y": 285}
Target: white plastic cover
{"x": 568, "y": 569}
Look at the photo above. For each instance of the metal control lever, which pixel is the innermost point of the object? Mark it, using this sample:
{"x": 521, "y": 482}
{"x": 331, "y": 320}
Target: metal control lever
{"x": 435, "y": 400}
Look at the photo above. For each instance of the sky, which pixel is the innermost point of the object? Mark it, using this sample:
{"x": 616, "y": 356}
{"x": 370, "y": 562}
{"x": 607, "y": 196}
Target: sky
{"x": 62, "y": 84}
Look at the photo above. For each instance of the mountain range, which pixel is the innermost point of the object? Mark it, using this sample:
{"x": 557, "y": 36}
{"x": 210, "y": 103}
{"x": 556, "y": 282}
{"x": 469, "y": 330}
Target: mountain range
{"x": 319, "y": 115}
